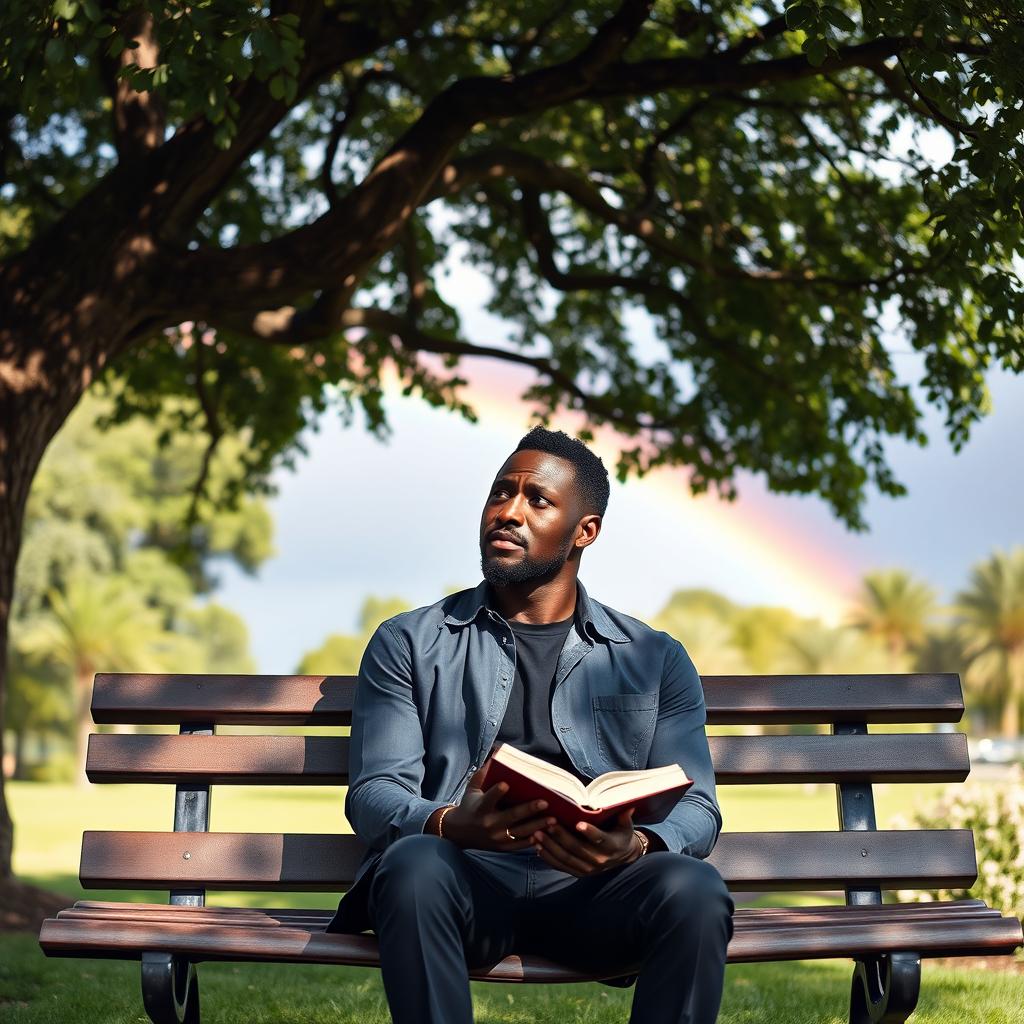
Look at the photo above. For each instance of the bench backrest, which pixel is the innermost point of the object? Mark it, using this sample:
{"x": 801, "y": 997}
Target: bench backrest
{"x": 856, "y": 858}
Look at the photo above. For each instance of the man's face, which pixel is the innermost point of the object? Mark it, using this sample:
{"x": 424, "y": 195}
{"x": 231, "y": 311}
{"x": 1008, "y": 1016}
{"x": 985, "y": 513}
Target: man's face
{"x": 533, "y": 501}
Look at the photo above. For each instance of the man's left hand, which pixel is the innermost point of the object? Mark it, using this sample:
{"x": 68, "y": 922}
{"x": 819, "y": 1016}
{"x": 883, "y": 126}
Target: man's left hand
{"x": 587, "y": 849}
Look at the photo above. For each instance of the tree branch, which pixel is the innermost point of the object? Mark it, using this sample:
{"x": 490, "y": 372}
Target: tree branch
{"x": 415, "y": 279}
{"x": 140, "y": 118}
{"x": 527, "y": 169}
{"x": 367, "y": 222}
{"x": 349, "y": 238}
{"x": 756, "y": 37}
{"x": 413, "y": 338}
{"x": 341, "y": 122}
{"x": 214, "y": 432}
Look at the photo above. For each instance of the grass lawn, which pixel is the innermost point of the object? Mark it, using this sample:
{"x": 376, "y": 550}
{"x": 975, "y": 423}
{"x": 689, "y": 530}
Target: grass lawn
{"x": 49, "y": 821}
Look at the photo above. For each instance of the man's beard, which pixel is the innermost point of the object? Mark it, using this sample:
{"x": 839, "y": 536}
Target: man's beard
{"x": 502, "y": 572}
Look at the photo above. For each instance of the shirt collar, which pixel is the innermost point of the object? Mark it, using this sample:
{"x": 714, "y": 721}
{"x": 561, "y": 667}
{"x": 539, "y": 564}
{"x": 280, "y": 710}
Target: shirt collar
{"x": 469, "y": 603}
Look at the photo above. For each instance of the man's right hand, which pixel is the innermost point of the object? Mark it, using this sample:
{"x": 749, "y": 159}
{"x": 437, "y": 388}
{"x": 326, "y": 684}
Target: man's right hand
{"x": 476, "y": 824}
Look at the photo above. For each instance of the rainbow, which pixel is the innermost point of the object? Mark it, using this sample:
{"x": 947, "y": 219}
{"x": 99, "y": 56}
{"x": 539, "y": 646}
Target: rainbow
{"x": 759, "y": 542}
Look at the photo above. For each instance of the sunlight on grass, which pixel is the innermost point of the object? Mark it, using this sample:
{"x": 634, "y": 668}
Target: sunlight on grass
{"x": 35, "y": 990}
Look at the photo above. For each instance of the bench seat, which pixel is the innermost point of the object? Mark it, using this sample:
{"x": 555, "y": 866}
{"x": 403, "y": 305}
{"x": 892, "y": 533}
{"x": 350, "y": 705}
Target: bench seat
{"x": 125, "y": 930}
{"x": 886, "y": 940}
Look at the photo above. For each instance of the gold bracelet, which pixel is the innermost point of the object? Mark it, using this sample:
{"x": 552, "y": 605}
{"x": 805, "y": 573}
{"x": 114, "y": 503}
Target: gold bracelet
{"x": 440, "y": 820}
{"x": 644, "y": 841}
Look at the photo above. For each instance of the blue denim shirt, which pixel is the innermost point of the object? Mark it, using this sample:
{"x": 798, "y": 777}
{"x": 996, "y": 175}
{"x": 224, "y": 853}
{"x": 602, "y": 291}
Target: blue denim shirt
{"x": 432, "y": 690}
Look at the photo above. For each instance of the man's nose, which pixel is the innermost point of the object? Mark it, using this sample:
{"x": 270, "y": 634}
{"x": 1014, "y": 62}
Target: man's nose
{"x": 512, "y": 509}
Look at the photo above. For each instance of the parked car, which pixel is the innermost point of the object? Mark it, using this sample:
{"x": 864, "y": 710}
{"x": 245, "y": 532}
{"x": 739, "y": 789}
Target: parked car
{"x": 996, "y": 750}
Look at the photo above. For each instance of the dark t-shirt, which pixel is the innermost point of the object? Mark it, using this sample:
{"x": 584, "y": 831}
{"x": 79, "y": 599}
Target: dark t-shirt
{"x": 527, "y": 722}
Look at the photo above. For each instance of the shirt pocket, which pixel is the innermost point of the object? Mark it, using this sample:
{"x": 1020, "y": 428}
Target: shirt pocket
{"x": 624, "y": 723}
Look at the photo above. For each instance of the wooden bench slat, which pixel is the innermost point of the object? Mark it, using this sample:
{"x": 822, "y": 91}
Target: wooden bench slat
{"x": 131, "y": 698}
{"x": 327, "y": 700}
{"x": 745, "y": 917}
{"x": 893, "y": 757}
{"x": 205, "y": 941}
{"x": 323, "y": 760}
{"x": 759, "y": 861}
{"x": 891, "y": 698}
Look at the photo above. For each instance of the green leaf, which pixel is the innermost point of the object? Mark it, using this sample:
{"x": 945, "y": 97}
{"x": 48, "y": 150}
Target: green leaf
{"x": 800, "y": 15}
{"x": 816, "y": 50}
{"x": 55, "y": 51}
{"x": 839, "y": 19}
{"x": 65, "y": 9}
{"x": 277, "y": 87}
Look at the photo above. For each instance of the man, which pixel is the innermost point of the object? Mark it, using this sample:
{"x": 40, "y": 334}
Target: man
{"x": 451, "y": 879}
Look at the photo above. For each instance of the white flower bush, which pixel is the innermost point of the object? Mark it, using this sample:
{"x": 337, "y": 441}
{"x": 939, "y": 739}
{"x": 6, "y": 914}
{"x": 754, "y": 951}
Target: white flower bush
{"x": 995, "y": 812}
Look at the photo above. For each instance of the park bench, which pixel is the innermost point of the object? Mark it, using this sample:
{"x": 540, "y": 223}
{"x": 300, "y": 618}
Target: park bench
{"x": 885, "y": 940}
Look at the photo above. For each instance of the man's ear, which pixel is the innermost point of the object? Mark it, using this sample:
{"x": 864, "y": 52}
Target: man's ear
{"x": 587, "y": 530}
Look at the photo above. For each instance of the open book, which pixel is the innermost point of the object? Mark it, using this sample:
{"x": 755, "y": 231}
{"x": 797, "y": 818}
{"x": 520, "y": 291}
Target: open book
{"x": 652, "y": 791}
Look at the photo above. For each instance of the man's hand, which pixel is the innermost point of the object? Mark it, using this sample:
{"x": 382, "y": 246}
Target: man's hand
{"x": 475, "y": 824}
{"x": 587, "y": 849}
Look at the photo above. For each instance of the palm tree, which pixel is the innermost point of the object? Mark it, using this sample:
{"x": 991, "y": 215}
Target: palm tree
{"x": 817, "y": 649}
{"x": 894, "y": 607}
{"x": 709, "y": 642}
{"x": 97, "y": 623}
{"x": 990, "y": 621}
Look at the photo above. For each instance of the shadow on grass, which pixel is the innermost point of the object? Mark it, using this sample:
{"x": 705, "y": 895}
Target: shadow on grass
{"x": 35, "y": 989}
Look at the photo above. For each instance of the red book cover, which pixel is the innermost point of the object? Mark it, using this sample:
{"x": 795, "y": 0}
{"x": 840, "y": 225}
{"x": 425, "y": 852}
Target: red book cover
{"x": 650, "y": 808}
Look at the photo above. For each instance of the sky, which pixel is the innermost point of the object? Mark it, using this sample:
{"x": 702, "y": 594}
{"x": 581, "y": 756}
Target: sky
{"x": 400, "y": 518}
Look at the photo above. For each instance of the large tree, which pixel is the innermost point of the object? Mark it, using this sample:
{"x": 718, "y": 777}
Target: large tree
{"x": 274, "y": 175}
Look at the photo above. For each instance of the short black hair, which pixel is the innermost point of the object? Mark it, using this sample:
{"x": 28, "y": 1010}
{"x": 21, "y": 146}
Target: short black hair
{"x": 592, "y": 488}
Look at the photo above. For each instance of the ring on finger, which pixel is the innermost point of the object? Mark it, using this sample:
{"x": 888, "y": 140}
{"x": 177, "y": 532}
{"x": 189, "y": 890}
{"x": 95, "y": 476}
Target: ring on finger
{"x": 509, "y": 834}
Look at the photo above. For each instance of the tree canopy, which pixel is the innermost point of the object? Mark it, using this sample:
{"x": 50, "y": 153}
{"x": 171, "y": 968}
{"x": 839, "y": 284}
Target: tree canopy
{"x": 250, "y": 204}
{"x": 754, "y": 177}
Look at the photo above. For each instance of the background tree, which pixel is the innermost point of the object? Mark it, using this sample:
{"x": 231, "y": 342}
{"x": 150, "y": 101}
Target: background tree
{"x": 108, "y": 579}
{"x": 95, "y": 624}
{"x": 702, "y": 621}
{"x": 990, "y": 622}
{"x": 39, "y": 705}
{"x": 895, "y": 608}
{"x": 817, "y": 648}
{"x": 268, "y": 175}
{"x": 340, "y": 653}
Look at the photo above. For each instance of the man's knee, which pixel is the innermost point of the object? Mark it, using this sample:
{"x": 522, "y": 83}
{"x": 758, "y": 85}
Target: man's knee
{"x": 414, "y": 866}
{"x": 689, "y": 888}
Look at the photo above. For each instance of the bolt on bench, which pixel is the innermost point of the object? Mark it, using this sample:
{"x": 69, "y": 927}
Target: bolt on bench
{"x": 886, "y": 941}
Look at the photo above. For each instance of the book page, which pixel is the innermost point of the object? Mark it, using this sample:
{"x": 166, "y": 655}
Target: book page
{"x": 613, "y": 787}
{"x": 550, "y": 775}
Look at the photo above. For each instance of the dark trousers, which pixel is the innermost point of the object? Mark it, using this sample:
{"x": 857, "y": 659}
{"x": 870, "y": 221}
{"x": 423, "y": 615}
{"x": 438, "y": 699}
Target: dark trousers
{"x": 438, "y": 909}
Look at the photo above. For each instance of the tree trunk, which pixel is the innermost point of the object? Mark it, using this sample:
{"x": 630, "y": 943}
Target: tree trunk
{"x": 18, "y": 467}
{"x": 37, "y": 393}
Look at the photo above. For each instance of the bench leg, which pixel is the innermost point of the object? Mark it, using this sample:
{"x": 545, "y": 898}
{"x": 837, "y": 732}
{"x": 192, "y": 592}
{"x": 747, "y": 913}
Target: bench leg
{"x": 170, "y": 989}
{"x": 885, "y": 989}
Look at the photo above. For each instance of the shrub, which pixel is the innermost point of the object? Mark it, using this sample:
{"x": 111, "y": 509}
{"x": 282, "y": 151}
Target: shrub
{"x": 995, "y": 812}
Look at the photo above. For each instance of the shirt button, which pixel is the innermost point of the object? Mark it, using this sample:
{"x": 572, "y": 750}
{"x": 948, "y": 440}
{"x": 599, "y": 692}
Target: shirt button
{"x": 564, "y": 728}
{"x": 492, "y": 721}
{"x": 472, "y": 767}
